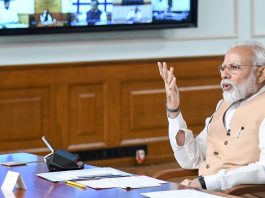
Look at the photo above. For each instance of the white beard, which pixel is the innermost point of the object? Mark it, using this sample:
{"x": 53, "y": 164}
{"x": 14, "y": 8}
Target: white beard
{"x": 241, "y": 90}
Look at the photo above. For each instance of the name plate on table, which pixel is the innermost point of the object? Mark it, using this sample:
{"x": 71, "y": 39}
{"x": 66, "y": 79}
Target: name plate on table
{"x": 12, "y": 180}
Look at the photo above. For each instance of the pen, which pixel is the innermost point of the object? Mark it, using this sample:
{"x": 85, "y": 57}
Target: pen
{"x": 75, "y": 184}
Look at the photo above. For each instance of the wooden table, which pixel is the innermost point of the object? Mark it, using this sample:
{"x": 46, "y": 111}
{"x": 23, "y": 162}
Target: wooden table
{"x": 38, "y": 187}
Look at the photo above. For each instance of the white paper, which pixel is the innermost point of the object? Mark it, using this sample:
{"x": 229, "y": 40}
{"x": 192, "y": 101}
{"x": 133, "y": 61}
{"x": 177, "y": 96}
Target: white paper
{"x": 180, "y": 193}
{"x": 8, "y": 194}
{"x": 79, "y": 174}
{"x": 123, "y": 182}
{"x": 13, "y": 179}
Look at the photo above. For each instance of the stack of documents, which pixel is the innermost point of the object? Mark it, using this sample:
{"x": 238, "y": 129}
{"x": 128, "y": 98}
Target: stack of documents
{"x": 100, "y": 178}
{"x": 84, "y": 174}
{"x": 123, "y": 182}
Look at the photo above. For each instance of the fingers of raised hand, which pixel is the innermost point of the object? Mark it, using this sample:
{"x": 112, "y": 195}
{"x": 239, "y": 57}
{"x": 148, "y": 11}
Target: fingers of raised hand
{"x": 167, "y": 75}
{"x": 170, "y": 75}
{"x": 160, "y": 67}
{"x": 163, "y": 70}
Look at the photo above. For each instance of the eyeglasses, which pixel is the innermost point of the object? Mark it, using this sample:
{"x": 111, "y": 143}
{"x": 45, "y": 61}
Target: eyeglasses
{"x": 233, "y": 68}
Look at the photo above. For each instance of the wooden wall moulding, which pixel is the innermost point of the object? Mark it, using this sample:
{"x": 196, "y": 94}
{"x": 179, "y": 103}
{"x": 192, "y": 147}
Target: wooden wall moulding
{"x": 95, "y": 105}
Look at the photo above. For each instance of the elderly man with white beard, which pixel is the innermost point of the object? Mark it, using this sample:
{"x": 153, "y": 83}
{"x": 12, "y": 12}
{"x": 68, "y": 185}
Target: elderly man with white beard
{"x": 231, "y": 148}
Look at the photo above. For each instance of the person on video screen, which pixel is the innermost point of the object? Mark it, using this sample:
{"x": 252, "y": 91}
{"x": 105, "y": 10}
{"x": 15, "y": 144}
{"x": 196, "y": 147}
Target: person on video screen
{"x": 7, "y": 14}
{"x": 46, "y": 17}
{"x": 135, "y": 15}
{"x": 95, "y": 15}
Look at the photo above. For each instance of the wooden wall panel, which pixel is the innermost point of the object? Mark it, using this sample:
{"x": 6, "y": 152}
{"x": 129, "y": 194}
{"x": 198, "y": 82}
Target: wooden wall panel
{"x": 24, "y": 117}
{"x": 83, "y": 106}
{"x": 143, "y": 112}
{"x": 86, "y": 113}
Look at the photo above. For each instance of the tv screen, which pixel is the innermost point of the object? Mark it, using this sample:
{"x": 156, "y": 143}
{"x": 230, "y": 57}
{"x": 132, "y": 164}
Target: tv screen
{"x": 57, "y": 16}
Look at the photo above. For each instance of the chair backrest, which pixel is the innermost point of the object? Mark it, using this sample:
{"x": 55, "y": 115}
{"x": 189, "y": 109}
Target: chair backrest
{"x": 256, "y": 190}
{"x": 176, "y": 175}
{"x": 180, "y": 174}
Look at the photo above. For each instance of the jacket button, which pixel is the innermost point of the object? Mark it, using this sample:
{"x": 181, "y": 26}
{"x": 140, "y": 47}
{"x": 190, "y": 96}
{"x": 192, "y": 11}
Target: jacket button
{"x": 215, "y": 153}
{"x": 226, "y": 142}
{"x": 207, "y": 166}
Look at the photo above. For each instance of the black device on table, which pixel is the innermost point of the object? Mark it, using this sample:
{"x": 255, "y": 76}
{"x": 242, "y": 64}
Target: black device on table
{"x": 61, "y": 160}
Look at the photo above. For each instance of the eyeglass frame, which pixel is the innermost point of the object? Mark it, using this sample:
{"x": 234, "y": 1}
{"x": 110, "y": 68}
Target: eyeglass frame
{"x": 236, "y": 68}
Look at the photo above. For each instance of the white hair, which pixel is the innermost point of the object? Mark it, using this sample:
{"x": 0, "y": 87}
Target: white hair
{"x": 258, "y": 50}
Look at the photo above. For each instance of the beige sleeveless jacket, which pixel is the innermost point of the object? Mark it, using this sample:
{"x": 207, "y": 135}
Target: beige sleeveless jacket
{"x": 241, "y": 147}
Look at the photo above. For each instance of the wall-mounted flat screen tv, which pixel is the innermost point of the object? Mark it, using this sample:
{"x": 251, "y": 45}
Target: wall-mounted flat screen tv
{"x": 57, "y": 16}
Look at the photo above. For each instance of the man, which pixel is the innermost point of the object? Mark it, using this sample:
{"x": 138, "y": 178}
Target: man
{"x": 94, "y": 14}
{"x": 231, "y": 148}
{"x": 8, "y": 16}
{"x": 46, "y": 17}
{"x": 135, "y": 15}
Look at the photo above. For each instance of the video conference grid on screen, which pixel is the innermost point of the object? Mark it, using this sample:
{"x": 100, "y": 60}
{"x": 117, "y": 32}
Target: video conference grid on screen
{"x": 58, "y": 13}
